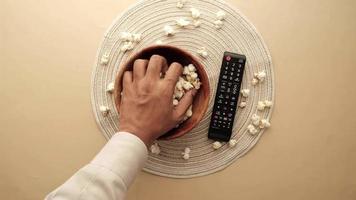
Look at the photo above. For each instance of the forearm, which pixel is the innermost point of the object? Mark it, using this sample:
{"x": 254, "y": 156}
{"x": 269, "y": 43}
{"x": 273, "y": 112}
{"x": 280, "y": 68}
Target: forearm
{"x": 109, "y": 174}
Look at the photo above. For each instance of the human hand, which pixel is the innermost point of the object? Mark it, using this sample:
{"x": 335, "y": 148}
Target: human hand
{"x": 146, "y": 108}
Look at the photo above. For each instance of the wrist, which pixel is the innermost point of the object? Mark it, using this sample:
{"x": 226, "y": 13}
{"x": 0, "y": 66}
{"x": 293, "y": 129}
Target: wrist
{"x": 142, "y": 136}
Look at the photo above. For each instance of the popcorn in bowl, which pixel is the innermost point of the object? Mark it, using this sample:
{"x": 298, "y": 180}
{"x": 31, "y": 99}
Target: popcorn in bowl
{"x": 187, "y": 81}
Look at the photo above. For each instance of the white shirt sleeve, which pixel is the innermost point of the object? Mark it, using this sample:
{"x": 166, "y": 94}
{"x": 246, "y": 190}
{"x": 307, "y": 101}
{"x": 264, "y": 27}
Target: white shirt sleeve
{"x": 109, "y": 174}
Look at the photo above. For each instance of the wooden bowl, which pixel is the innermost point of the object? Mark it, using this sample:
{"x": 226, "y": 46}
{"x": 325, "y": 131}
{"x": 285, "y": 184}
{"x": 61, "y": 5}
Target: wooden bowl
{"x": 172, "y": 54}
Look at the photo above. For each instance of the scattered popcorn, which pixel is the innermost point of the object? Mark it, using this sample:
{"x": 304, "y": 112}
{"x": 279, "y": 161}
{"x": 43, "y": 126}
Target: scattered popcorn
{"x": 195, "y": 13}
{"x": 217, "y": 145}
{"x": 245, "y": 92}
{"x": 254, "y": 81}
{"x": 261, "y": 105}
{"x": 127, "y": 46}
{"x": 189, "y": 112}
{"x": 268, "y": 104}
{"x": 159, "y": 42}
{"x": 186, "y": 153}
{"x": 242, "y": 104}
{"x": 169, "y": 30}
{"x": 110, "y": 87}
{"x": 196, "y": 23}
{"x": 180, "y": 5}
{"x": 186, "y": 156}
{"x": 104, "y": 110}
{"x": 261, "y": 76}
{"x": 175, "y": 102}
{"x": 136, "y": 37}
{"x": 251, "y": 129}
{"x": 265, "y": 123}
{"x": 255, "y": 119}
{"x": 155, "y": 149}
{"x": 125, "y": 36}
{"x": 218, "y": 24}
{"x": 202, "y": 52}
{"x": 182, "y": 22}
{"x": 104, "y": 59}
{"x": 220, "y": 15}
{"x": 232, "y": 143}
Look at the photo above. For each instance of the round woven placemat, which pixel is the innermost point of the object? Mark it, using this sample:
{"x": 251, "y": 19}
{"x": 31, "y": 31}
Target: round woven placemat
{"x": 238, "y": 35}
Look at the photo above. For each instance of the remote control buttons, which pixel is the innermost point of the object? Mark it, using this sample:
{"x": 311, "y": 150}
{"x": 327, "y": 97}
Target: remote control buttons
{"x": 228, "y": 58}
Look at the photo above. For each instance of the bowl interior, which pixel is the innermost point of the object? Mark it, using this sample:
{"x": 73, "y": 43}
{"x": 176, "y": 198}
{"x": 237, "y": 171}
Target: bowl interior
{"x": 172, "y": 54}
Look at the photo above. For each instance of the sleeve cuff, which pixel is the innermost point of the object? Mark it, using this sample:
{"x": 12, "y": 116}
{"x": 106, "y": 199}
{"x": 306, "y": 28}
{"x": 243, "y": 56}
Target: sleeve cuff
{"x": 125, "y": 154}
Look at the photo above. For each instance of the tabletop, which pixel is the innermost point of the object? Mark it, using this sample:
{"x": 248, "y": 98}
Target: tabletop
{"x": 48, "y": 132}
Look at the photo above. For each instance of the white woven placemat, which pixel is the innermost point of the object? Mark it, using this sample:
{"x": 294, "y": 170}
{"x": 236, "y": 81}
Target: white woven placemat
{"x": 237, "y": 35}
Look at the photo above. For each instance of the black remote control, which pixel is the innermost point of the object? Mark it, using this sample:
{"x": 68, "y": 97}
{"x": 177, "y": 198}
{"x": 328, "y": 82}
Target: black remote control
{"x": 227, "y": 95}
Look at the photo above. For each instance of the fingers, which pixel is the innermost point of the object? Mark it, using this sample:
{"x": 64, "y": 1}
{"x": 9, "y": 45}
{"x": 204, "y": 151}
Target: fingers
{"x": 174, "y": 71}
{"x": 139, "y": 69}
{"x": 155, "y": 65}
{"x": 127, "y": 79}
{"x": 184, "y": 103}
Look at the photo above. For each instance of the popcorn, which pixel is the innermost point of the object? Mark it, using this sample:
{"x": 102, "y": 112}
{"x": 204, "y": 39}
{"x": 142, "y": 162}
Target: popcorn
{"x": 261, "y": 105}
{"x": 189, "y": 112}
{"x": 251, "y": 129}
{"x": 217, "y": 145}
{"x": 218, "y": 24}
{"x": 125, "y": 36}
{"x": 136, "y": 37}
{"x": 104, "y": 59}
{"x": 255, "y": 119}
{"x": 186, "y": 153}
{"x": 104, "y": 110}
{"x": 197, "y": 84}
{"x": 196, "y": 23}
{"x": 232, "y": 143}
{"x": 175, "y": 102}
{"x": 182, "y": 22}
{"x": 110, "y": 87}
{"x": 191, "y": 68}
{"x": 261, "y": 75}
{"x": 127, "y": 46}
{"x": 186, "y": 70}
{"x": 155, "y": 149}
{"x": 254, "y": 81}
{"x": 159, "y": 42}
{"x": 195, "y": 13}
{"x": 178, "y": 94}
{"x": 169, "y": 30}
{"x": 187, "y": 85}
{"x": 221, "y": 15}
{"x": 180, "y": 4}
{"x": 202, "y": 52}
{"x": 264, "y": 123}
{"x": 268, "y": 104}
{"x": 245, "y": 92}
{"x": 186, "y": 82}
{"x": 242, "y": 104}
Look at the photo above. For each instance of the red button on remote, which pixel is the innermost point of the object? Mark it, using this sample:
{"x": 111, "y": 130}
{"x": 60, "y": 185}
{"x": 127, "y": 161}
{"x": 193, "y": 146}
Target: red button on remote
{"x": 228, "y": 58}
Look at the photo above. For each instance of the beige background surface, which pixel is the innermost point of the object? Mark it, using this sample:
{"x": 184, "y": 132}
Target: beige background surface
{"x": 47, "y": 130}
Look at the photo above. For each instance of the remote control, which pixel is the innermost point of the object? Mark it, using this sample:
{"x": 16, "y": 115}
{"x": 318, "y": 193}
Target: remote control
{"x": 227, "y": 95}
